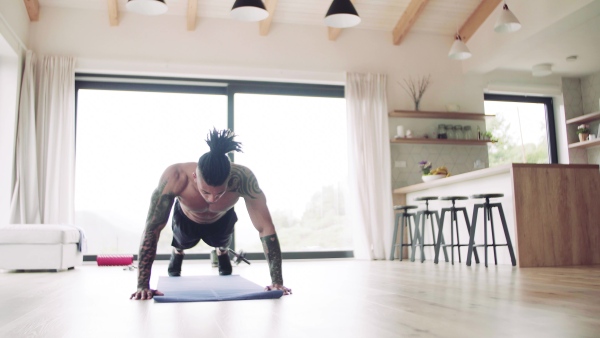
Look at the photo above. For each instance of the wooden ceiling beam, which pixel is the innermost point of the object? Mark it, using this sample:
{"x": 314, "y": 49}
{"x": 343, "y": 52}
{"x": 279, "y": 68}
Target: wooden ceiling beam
{"x": 113, "y": 12}
{"x": 265, "y": 25}
{"x": 477, "y": 18}
{"x": 192, "y": 14}
{"x": 407, "y": 20}
{"x": 333, "y": 33}
{"x": 33, "y": 9}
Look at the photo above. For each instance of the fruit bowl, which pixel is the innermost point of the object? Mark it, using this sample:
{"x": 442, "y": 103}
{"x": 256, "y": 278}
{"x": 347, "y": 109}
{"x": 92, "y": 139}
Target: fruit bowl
{"x": 428, "y": 178}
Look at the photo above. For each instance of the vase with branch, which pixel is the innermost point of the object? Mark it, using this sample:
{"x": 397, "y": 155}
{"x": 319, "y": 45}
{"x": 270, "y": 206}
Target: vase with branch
{"x": 416, "y": 88}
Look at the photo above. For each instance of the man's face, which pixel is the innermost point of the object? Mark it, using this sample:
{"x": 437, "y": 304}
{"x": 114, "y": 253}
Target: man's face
{"x": 211, "y": 194}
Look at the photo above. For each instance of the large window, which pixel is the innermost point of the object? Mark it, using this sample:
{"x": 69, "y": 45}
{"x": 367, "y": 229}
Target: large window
{"x": 125, "y": 140}
{"x": 299, "y": 157}
{"x": 293, "y": 136}
{"x": 523, "y": 127}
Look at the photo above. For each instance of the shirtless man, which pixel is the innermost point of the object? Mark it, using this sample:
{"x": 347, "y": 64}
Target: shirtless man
{"x": 204, "y": 194}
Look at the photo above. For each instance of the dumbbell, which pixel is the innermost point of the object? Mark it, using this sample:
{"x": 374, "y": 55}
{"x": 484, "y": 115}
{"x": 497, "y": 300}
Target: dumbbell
{"x": 239, "y": 257}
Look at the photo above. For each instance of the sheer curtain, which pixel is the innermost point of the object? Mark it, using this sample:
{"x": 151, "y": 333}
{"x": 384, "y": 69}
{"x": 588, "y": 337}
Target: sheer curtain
{"x": 25, "y": 205}
{"x": 45, "y": 149}
{"x": 370, "y": 164}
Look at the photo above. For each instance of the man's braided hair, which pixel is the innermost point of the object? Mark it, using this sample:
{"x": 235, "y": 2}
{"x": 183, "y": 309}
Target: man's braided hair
{"x": 214, "y": 165}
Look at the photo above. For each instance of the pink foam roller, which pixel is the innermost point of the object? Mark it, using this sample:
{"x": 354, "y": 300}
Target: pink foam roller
{"x": 114, "y": 260}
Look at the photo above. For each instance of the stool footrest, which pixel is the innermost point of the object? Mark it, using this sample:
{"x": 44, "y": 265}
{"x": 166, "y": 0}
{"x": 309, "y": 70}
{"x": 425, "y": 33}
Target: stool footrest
{"x": 457, "y": 245}
{"x": 482, "y": 245}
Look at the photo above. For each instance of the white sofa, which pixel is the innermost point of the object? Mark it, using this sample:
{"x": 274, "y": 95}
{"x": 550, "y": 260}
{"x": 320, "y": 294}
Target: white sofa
{"x": 39, "y": 247}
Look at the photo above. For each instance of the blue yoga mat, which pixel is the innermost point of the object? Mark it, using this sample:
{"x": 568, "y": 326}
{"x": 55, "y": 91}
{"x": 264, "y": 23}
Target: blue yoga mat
{"x": 210, "y": 289}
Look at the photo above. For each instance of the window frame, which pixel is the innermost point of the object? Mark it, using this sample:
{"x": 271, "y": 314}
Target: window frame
{"x": 548, "y": 103}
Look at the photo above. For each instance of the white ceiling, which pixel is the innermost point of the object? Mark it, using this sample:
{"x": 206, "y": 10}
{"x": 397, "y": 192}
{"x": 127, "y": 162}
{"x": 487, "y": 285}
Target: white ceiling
{"x": 552, "y": 29}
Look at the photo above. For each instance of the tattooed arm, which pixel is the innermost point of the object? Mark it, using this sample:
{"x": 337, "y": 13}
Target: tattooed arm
{"x": 158, "y": 214}
{"x": 244, "y": 182}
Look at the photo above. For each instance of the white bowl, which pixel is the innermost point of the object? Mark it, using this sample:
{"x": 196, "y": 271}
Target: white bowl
{"x": 428, "y": 178}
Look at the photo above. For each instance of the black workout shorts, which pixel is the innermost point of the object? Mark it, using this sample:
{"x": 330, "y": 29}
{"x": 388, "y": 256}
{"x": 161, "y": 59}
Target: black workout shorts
{"x": 187, "y": 233}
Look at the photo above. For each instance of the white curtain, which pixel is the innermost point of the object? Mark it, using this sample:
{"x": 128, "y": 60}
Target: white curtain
{"x": 370, "y": 164}
{"x": 47, "y": 151}
{"x": 25, "y": 203}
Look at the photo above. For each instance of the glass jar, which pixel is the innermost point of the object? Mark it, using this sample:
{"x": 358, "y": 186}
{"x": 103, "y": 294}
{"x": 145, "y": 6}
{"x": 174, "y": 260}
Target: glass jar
{"x": 451, "y": 133}
{"x": 468, "y": 133}
{"x": 442, "y": 132}
{"x": 458, "y": 132}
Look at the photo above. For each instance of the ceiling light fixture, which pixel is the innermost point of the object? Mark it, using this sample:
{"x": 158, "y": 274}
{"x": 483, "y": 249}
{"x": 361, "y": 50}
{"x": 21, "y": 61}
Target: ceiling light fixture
{"x": 249, "y": 10}
{"x": 459, "y": 50}
{"x": 507, "y": 22}
{"x": 543, "y": 69}
{"x": 147, "y": 7}
{"x": 342, "y": 14}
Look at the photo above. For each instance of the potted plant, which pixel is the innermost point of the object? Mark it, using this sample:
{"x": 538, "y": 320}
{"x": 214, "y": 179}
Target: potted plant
{"x": 425, "y": 167}
{"x": 583, "y": 130}
{"x": 489, "y": 137}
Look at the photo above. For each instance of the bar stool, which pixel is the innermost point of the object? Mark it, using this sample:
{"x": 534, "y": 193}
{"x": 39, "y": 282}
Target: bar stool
{"x": 406, "y": 222}
{"x": 487, "y": 209}
{"x": 453, "y": 225}
{"x": 422, "y": 217}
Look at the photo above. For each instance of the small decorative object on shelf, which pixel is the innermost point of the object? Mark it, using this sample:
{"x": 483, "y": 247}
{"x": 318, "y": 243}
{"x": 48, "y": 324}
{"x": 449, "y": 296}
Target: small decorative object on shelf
{"x": 400, "y": 132}
{"x": 416, "y": 88}
{"x": 583, "y": 130}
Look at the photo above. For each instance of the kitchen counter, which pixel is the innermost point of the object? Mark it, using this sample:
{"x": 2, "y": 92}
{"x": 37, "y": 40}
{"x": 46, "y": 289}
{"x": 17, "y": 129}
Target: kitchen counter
{"x": 552, "y": 210}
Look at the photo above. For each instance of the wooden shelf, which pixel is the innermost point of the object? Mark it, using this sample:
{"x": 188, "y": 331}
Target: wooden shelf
{"x": 585, "y": 118}
{"x": 438, "y": 115}
{"x": 585, "y": 144}
{"x": 440, "y": 141}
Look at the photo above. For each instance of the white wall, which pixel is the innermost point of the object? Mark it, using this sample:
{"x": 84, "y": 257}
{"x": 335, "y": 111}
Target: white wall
{"x": 13, "y": 27}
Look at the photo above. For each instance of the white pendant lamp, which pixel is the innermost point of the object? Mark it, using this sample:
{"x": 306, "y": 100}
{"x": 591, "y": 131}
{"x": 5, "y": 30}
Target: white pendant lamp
{"x": 342, "y": 14}
{"x": 507, "y": 22}
{"x": 459, "y": 50}
{"x": 249, "y": 10}
{"x": 147, "y": 7}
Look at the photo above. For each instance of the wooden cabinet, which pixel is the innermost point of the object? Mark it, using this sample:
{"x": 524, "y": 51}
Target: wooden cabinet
{"x": 438, "y": 115}
{"x": 585, "y": 119}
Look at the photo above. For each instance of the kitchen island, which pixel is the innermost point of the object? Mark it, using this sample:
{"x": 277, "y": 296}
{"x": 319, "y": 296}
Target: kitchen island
{"x": 552, "y": 211}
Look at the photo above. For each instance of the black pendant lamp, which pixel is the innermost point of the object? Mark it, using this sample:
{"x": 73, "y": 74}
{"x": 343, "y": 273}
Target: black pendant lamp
{"x": 249, "y": 10}
{"x": 342, "y": 14}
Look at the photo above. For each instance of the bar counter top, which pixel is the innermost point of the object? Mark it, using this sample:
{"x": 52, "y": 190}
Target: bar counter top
{"x": 481, "y": 173}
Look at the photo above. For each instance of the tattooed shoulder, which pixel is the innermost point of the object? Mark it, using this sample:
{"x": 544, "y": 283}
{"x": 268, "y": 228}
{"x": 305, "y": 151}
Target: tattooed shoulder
{"x": 243, "y": 181}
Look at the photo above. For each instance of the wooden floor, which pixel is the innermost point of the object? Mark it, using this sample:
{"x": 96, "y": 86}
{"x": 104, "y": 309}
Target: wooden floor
{"x": 332, "y": 298}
